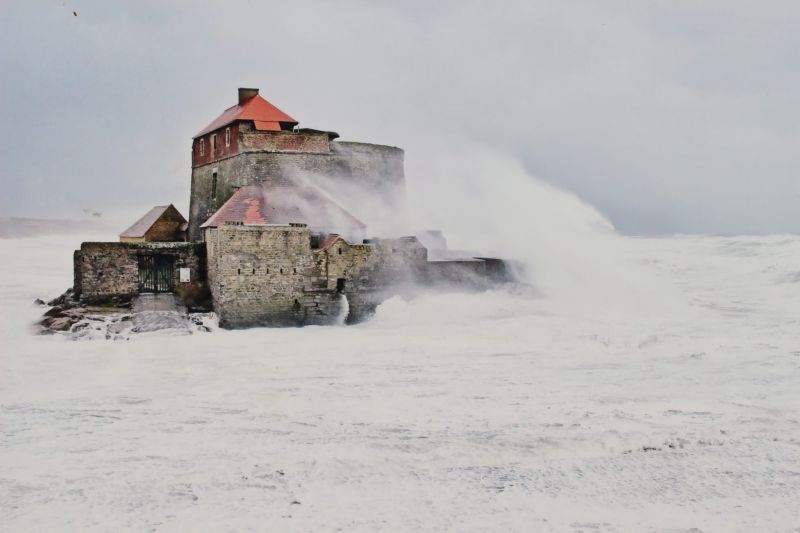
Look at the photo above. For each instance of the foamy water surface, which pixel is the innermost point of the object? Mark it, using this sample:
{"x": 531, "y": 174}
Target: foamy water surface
{"x": 661, "y": 394}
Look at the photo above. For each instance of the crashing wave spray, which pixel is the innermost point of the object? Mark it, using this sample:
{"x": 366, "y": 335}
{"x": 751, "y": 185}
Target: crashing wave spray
{"x": 344, "y": 310}
{"x": 573, "y": 257}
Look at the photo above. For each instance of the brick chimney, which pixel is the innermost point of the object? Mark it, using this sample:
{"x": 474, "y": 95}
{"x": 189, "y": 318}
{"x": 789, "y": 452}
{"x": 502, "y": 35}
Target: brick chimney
{"x": 246, "y": 94}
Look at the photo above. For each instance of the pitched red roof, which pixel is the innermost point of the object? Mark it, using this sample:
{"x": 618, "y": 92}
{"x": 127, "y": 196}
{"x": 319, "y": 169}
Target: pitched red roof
{"x": 266, "y": 116}
{"x": 330, "y": 240}
{"x": 270, "y": 204}
{"x": 140, "y": 227}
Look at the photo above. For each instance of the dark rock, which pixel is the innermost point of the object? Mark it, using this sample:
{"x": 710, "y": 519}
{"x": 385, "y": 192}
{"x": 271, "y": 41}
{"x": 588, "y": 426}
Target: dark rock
{"x": 77, "y": 312}
{"x": 80, "y": 326}
{"x": 55, "y": 311}
{"x": 61, "y": 323}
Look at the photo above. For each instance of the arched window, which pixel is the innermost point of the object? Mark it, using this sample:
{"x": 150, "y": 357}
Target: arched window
{"x": 227, "y": 136}
{"x": 202, "y": 146}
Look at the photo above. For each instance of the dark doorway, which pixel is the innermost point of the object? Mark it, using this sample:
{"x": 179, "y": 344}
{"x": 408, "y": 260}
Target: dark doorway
{"x": 340, "y": 285}
{"x": 156, "y": 273}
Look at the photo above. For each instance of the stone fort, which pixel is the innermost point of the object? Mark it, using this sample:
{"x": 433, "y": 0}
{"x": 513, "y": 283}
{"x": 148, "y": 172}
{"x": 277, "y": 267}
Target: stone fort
{"x": 274, "y": 237}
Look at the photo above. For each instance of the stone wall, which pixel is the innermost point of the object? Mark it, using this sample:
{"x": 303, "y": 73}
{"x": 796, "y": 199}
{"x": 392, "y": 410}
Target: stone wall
{"x": 371, "y": 173}
{"x": 269, "y": 275}
{"x": 283, "y": 141}
{"x": 109, "y": 271}
{"x": 344, "y": 261}
{"x": 394, "y": 266}
{"x": 258, "y": 274}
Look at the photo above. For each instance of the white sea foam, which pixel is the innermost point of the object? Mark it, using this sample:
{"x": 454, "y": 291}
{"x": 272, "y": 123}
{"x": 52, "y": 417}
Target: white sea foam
{"x": 645, "y": 385}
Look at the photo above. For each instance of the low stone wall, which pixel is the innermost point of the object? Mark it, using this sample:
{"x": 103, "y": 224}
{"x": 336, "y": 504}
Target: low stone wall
{"x": 108, "y": 272}
{"x": 269, "y": 275}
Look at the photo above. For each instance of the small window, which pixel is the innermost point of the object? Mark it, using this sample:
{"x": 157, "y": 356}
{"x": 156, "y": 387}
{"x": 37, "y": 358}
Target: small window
{"x": 281, "y": 271}
{"x": 340, "y": 285}
{"x": 214, "y": 186}
{"x": 340, "y": 250}
{"x": 202, "y": 146}
{"x": 213, "y": 143}
{"x": 227, "y": 136}
{"x": 294, "y": 270}
{"x": 240, "y": 270}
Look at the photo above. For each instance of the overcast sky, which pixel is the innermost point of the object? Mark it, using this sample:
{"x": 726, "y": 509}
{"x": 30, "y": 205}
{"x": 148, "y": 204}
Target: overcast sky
{"x": 667, "y": 116}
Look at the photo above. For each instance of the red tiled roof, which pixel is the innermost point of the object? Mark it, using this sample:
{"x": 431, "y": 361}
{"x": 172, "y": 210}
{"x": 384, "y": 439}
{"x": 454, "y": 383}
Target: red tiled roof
{"x": 270, "y": 204}
{"x": 266, "y": 116}
{"x": 330, "y": 240}
{"x": 140, "y": 227}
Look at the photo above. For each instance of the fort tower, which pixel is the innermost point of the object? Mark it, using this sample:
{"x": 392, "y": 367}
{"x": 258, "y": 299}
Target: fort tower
{"x": 254, "y": 142}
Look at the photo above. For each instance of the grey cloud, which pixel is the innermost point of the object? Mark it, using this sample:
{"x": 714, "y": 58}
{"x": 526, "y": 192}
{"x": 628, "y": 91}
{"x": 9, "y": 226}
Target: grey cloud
{"x": 668, "y": 117}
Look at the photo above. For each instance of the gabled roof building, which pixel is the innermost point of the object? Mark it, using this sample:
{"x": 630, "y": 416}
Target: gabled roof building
{"x": 275, "y": 234}
{"x": 274, "y": 204}
{"x": 163, "y": 223}
{"x": 255, "y": 143}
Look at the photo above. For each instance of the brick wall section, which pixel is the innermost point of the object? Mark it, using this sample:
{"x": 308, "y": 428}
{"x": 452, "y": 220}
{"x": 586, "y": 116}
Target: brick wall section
{"x": 245, "y": 138}
{"x": 283, "y": 141}
{"x": 373, "y": 171}
{"x": 110, "y": 270}
{"x": 221, "y": 151}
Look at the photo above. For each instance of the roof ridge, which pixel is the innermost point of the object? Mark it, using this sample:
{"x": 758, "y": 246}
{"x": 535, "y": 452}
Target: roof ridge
{"x": 257, "y": 108}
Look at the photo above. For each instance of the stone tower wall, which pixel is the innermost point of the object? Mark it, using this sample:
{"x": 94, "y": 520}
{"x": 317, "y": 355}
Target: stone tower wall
{"x": 373, "y": 172}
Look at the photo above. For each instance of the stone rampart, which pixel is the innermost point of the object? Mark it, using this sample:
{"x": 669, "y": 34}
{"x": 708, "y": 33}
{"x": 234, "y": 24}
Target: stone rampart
{"x": 106, "y": 272}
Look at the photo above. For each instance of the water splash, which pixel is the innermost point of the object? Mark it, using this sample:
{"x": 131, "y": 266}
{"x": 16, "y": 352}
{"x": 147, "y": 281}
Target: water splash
{"x": 344, "y": 310}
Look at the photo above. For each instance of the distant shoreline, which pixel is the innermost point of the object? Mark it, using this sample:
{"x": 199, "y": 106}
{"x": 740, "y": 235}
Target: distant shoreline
{"x": 15, "y": 227}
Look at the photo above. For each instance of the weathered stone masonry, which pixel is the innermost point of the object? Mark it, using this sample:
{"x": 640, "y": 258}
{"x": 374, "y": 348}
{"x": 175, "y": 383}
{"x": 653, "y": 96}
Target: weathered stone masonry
{"x": 109, "y": 271}
{"x": 281, "y": 157}
{"x": 272, "y": 242}
{"x": 257, "y": 274}
{"x": 271, "y": 275}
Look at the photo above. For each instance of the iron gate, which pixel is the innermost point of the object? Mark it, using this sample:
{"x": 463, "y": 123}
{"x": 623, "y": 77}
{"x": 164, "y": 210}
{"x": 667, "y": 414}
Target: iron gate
{"x": 156, "y": 273}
